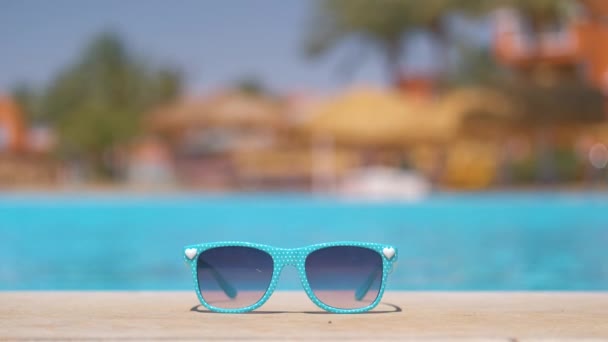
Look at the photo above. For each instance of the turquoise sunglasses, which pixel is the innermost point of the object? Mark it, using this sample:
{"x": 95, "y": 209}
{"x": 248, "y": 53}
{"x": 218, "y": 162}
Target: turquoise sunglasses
{"x": 339, "y": 277}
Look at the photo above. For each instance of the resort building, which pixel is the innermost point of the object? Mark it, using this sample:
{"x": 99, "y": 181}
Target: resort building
{"x": 12, "y": 128}
{"x": 20, "y": 161}
{"x": 223, "y": 140}
{"x": 571, "y": 49}
{"x": 557, "y": 88}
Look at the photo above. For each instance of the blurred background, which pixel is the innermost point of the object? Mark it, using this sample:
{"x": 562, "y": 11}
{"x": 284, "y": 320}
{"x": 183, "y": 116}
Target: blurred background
{"x": 471, "y": 134}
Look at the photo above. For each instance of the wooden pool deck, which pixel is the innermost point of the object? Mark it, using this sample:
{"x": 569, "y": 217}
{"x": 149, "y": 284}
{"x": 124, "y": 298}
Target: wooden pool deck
{"x": 482, "y": 316}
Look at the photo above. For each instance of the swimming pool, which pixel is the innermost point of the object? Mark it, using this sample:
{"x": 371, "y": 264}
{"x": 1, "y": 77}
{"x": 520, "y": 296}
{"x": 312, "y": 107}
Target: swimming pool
{"x": 498, "y": 241}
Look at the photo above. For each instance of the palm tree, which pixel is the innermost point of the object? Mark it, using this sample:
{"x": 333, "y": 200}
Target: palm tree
{"x": 379, "y": 24}
{"x": 97, "y": 103}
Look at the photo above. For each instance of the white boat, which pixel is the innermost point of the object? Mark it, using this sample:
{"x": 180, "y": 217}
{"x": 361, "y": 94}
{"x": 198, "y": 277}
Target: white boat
{"x": 384, "y": 184}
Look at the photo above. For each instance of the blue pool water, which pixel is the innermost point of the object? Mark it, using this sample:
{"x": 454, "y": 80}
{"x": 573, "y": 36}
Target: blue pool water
{"x": 529, "y": 241}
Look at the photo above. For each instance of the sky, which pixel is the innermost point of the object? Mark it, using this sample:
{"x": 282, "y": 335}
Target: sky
{"x": 214, "y": 43}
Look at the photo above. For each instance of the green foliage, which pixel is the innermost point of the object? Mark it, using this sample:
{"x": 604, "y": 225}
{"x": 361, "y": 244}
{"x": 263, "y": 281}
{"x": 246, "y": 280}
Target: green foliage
{"x": 524, "y": 171}
{"x": 98, "y": 102}
{"x": 567, "y": 165}
{"x": 541, "y": 12}
{"x": 380, "y": 24}
{"x": 251, "y": 85}
{"x": 563, "y": 163}
{"x": 29, "y": 101}
{"x": 476, "y": 66}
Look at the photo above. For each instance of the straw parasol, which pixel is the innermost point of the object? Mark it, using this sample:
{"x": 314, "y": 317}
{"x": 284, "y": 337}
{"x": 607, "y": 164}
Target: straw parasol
{"x": 374, "y": 117}
{"x": 478, "y": 111}
{"x": 227, "y": 109}
{"x": 285, "y": 163}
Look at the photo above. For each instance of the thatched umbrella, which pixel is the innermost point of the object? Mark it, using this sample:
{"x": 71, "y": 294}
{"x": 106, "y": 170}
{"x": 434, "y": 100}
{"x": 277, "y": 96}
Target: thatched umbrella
{"x": 373, "y": 117}
{"x": 229, "y": 109}
{"x": 478, "y": 112}
{"x": 285, "y": 163}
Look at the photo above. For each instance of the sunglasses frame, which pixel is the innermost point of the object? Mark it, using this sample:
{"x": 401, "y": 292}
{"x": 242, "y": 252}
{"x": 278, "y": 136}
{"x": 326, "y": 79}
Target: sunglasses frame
{"x": 296, "y": 257}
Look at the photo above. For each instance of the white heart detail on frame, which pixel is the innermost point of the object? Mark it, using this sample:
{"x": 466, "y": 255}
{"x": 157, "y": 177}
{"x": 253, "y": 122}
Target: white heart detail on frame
{"x": 190, "y": 253}
{"x": 389, "y": 252}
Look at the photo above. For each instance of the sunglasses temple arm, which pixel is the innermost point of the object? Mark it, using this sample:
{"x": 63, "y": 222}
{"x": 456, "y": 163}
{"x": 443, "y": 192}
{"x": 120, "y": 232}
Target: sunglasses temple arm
{"x": 364, "y": 288}
{"x": 228, "y": 289}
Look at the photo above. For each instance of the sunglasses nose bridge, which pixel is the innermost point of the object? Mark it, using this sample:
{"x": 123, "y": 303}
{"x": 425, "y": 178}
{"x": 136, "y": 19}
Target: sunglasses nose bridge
{"x": 289, "y": 257}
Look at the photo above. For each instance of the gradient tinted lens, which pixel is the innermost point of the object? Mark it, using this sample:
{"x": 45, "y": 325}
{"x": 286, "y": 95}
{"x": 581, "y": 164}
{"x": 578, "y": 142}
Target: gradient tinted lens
{"x": 234, "y": 277}
{"x": 345, "y": 277}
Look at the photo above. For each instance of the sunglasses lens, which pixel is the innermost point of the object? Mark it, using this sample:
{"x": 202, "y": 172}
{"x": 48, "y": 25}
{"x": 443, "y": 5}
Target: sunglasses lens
{"x": 345, "y": 277}
{"x": 234, "y": 277}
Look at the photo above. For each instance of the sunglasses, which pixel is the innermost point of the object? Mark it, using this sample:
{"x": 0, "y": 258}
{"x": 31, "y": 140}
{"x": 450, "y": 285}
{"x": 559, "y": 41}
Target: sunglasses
{"x": 339, "y": 277}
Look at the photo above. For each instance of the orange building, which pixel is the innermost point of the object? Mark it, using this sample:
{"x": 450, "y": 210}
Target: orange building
{"x": 592, "y": 32}
{"x": 581, "y": 43}
{"x": 12, "y": 127}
